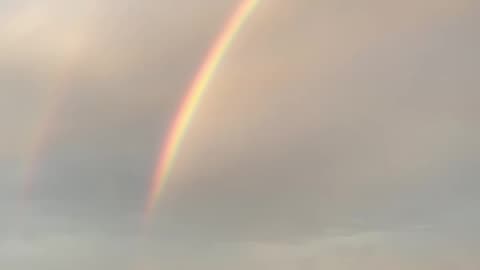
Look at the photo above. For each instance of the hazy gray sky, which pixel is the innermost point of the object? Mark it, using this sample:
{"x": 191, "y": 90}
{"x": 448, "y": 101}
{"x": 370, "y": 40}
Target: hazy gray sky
{"x": 335, "y": 135}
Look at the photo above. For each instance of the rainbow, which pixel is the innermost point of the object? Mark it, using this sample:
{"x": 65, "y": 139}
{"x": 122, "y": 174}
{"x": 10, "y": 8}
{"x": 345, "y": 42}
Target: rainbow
{"x": 192, "y": 99}
{"x": 60, "y": 78}
{"x": 43, "y": 135}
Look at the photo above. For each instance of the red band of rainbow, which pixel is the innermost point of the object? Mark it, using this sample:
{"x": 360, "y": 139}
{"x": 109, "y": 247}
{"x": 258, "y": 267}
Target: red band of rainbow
{"x": 192, "y": 99}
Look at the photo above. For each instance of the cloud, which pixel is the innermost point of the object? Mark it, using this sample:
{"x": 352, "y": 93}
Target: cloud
{"x": 330, "y": 130}
{"x": 360, "y": 250}
{"x": 326, "y": 135}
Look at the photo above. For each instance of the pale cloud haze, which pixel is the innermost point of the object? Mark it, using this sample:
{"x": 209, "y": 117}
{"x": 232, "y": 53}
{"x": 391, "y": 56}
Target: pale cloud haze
{"x": 335, "y": 135}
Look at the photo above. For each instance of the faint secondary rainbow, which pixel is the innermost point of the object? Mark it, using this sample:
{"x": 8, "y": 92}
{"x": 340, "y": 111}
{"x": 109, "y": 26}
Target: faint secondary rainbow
{"x": 59, "y": 80}
{"x": 192, "y": 99}
{"x": 43, "y": 135}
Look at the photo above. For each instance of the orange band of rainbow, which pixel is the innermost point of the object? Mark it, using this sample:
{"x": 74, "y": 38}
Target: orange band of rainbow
{"x": 192, "y": 99}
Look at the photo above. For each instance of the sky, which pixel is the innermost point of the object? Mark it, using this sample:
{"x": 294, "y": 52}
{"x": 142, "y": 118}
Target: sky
{"x": 334, "y": 135}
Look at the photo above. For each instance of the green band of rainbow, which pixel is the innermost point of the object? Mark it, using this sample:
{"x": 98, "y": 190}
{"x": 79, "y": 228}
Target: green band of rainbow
{"x": 192, "y": 99}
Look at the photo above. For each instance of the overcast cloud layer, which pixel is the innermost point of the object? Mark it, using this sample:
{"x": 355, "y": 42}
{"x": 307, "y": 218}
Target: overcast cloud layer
{"x": 335, "y": 135}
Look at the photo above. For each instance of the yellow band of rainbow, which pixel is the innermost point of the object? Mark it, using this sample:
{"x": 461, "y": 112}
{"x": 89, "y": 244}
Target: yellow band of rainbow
{"x": 192, "y": 99}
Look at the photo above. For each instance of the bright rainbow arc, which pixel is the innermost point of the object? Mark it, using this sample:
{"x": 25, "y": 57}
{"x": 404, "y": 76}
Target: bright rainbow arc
{"x": 192, "y": 99}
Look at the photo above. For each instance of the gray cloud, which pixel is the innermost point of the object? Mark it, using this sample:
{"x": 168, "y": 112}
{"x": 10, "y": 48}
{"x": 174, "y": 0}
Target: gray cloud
{"x": 334, "y": 135}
